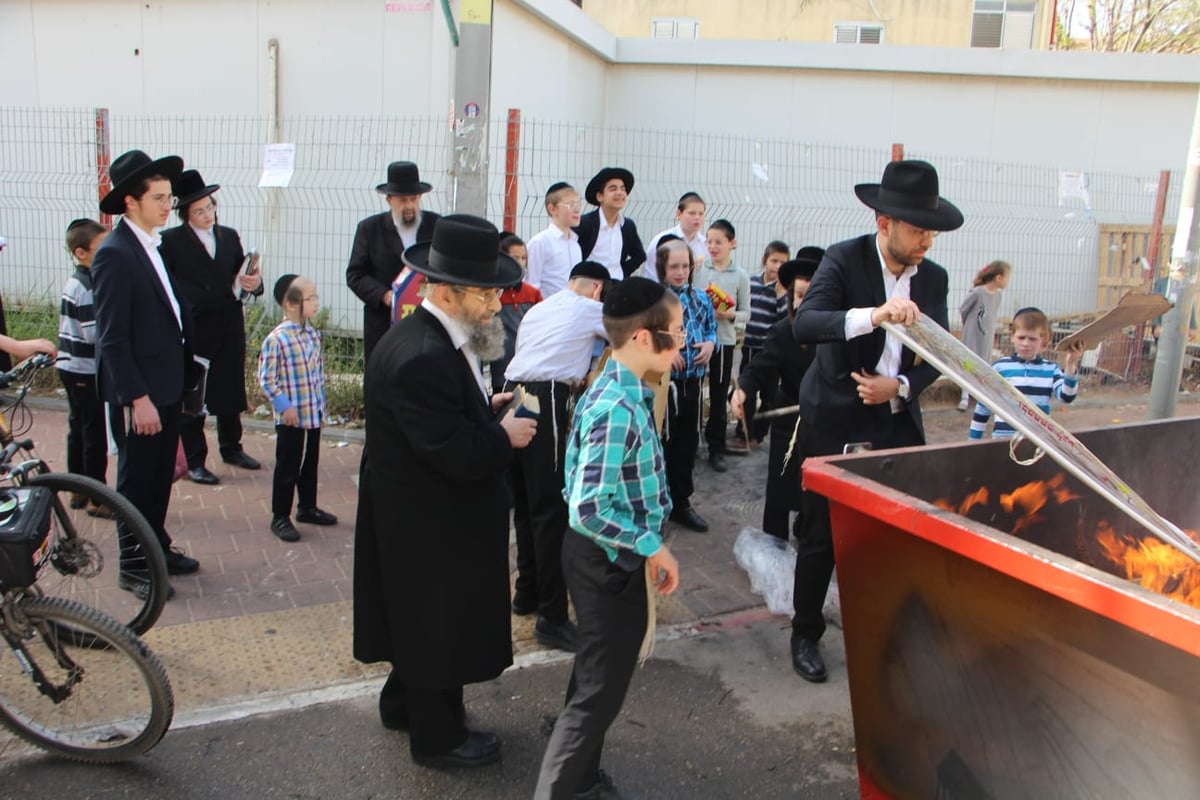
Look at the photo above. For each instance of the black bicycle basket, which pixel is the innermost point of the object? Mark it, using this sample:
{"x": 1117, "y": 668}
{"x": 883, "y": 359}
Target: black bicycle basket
{"x": 24, "y": 534}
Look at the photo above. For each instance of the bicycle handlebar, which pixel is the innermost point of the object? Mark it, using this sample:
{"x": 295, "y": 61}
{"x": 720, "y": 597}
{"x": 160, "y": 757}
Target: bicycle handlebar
{"x": 32, "y": 364}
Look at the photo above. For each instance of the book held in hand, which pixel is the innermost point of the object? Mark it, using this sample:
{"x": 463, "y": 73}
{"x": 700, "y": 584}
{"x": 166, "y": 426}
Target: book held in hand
{"x": 525, "y": 404}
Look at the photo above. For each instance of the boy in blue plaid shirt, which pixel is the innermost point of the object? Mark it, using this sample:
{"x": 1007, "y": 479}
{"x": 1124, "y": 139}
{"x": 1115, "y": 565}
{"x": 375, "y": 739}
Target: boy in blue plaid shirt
{"x": 292, "y": 375}
{"x": 618, "y": 502}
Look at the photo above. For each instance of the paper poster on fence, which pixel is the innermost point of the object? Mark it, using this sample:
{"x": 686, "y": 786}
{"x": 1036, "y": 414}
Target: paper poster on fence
{"x": 1072, "y": 185}
{"x": 279, "y": 162}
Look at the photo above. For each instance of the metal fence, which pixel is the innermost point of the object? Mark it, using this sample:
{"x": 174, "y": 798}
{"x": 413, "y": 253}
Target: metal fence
{"x": 769, "y": 188}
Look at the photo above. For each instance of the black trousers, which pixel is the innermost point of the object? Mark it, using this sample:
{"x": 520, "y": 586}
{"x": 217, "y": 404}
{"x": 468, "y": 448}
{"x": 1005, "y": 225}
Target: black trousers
{"x": 682, "y": 438}
{"x": 760, "y": 427}
{"x": 610, "y": 607}
{"x": 539, "y": 511}
{"x": 435, "y": 717}
{"x": 195, "y": 445}
{"x": 814, "y": 557}
{"x": 87, "y": 441}
{"x": 783, "y": 483}
{"x": 297, "y": 457}
{"x": 145, "y": 471}
{"x": 720, "y": 372}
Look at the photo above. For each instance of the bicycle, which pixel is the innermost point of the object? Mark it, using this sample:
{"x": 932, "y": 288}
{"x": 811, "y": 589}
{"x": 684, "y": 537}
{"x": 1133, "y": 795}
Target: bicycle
{"x": 92, "y": 526}
{"x": 91, "y": 690}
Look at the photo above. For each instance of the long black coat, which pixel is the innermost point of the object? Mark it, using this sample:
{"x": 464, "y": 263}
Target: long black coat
{"x": 374, "y": 263}
{"x": 850, "y": 276}
{"x": 431, "y": 539}
{"x": 205, "y": 285}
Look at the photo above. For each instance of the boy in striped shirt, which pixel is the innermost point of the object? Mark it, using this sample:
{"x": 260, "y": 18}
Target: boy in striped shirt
{"x": 291, "y": 373}
{"x": 1035, "y": 377}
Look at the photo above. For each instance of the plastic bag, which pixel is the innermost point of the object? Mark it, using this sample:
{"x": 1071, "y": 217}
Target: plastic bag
{"x": 770, "y": 563}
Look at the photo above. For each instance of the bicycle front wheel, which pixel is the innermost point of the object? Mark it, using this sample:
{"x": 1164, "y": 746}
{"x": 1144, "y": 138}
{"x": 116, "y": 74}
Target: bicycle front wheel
{"x": 114, "y": 702}
{"x": 91, "y": 525}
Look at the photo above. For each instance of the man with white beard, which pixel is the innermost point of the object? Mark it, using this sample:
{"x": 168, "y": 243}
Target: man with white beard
{"x": 431, "y": 540}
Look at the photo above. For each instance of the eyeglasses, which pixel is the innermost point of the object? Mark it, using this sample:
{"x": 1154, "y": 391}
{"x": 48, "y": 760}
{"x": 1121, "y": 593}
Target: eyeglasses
{"x": 312, "y": 298}
{"x": 679, "y": 336}
{"x": 488, "y": 297}
{"x": 574, "y": 205}
{"x": 203, "y": 211}
{"x": 163, "y": 200}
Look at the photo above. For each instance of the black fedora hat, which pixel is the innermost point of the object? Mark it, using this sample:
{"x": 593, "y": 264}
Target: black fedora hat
{"x": 127, "y": 171}
{"x": 909, "y": 192}
{"x": 189, "y": 187}
{"x": 465, "y": 251}
{"x": 403, "y": 177}
{"x": 596, "y": 185}
{"x": 804, "y": 265}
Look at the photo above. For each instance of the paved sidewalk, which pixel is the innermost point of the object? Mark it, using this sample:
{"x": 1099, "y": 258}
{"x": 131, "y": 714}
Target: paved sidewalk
{"x": 264, "y": 618}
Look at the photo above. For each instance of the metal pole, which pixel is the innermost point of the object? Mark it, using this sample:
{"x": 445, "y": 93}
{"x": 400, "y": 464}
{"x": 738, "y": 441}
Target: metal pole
{"x": 512, "y": 153}
{"x": 103, "y": 159}
{"x": 1150, "y": 264}
{"x": 897, "y": 152}
{"x": 472, "y": 96}
{"x": 1168, "y": 363}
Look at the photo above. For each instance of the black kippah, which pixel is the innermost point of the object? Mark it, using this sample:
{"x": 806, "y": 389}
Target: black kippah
{"x": 590, "y": 269}
{"x": 667, "y": 238}
{"x": 75, "y": 223}
{"x": 632, "y": 296}
{"x": 282, "y": 285}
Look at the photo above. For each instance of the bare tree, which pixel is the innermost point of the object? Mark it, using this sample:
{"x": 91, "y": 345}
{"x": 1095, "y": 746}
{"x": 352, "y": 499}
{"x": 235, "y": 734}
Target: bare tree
{"x": 1129, "y": 26}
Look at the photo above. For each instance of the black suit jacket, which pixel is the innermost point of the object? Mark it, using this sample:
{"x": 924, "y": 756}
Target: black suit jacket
{"x": 140, "y": 347}
{"x": 374, "y": 263}
{"x": 633, "y": 255}
{"x": 431, "y": 539}
{"x": 850, "y": 276}
{"x": 205, "y": 284}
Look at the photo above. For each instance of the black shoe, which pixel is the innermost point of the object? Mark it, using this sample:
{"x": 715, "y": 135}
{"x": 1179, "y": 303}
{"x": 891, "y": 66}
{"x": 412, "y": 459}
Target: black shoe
{"x": 807, "y": 661}
{"x": 688, "y": 518}
{"x": 178, "y": 563}
{"x": 284, "y": 529}
{"x": 717, "y": 462}
{"x": 559, "y": 635}
{"x": 202, "y": 475}
{"x": 479, "y": 749}
{"x": 240, "y": 459}
{"x": 315, "y": 516}
{"x": 138, "y": 586}
{"x": 602, "y": 789}
{"x": 522, "y": 606}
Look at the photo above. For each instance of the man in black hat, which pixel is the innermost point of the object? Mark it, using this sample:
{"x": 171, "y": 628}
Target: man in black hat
{"x": 431, "y": 539}
{"x": 379, "y": 243}
{"x": 143, "y": 350}
{"x": 864, "y": 385}
{"x": 205, "y": 260}
{"x": 606, "y": 235}
{"x": 555, "y": 343}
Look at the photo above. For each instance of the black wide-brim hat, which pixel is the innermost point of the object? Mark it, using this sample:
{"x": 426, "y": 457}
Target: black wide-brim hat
{"x": 596, "y": 185}
{"x": 129, "y": 169}
{"x": 909, "y": 192}
{"x": 464, "y": 251}
{"x": 190, "y": 187}
{"x": 805, "y": 263}
{"x": 403, "y": 177}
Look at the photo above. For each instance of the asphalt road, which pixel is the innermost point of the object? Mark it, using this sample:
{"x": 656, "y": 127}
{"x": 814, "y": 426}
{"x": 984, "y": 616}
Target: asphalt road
{"x": 717, "y": 714}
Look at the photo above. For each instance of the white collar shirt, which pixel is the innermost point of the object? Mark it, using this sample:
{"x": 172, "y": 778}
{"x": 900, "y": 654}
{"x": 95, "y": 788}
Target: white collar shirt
{"x": 207, "y": 238}
{"x": 609, "y": 245}
{"x": 552, "y": 254}
{"x": 150, "y": 243}
{"x": 458, "y": 338}
{"x": 556, "y": 338}
{"x": 698, "y": 244}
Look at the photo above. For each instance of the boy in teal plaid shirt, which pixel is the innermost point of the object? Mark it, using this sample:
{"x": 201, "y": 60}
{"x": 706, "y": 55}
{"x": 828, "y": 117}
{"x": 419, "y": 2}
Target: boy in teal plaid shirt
{"x": 617, "y": 494}
{"x": 292, "y": 375}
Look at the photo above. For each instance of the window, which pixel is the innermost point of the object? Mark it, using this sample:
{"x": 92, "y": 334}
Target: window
{"x": 674, "y": 28}
{"x": 1003, "y": 23}
{"x": 858, "y": 33}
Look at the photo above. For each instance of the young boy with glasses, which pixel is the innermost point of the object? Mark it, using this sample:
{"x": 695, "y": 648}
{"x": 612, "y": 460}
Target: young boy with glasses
{"x": 553, "y": 252}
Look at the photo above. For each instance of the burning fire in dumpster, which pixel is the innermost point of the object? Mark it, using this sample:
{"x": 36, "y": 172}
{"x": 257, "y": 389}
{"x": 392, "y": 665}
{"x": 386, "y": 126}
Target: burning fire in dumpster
{"x": 1146, "y": 560}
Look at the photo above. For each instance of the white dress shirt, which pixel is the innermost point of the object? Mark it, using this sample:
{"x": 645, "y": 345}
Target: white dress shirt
{"x": 207, "y": 238}
{"x": 555, "y": 339}
{"x": 552, "y": 254}
{"x": 698, "y": 244}
{"x": 458, "y": 338}
{"x": 609, "y": 244}
{"x": 150, "y": 243}
{"x": 858, "y": 320}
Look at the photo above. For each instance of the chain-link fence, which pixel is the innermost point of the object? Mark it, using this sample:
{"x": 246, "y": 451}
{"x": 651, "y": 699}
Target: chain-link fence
{"x": 768, "y": 187}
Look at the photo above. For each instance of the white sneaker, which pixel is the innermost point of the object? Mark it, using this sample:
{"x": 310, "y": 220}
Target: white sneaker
{"x": 962, "y": 404}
